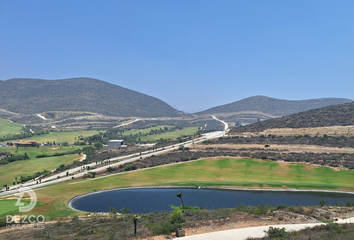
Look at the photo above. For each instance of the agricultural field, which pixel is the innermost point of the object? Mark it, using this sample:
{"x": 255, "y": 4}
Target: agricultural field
{"x": 20, "y": 168}
{"x": 7, "y": 127}
{"x": 61, "y": 136}
{"x": 8, "y": 206}
{"x": 226, "y": 172}
{"x": 144, "y": 130}
{"x": 171, "y": 135}
{"x": 33, "y": 152}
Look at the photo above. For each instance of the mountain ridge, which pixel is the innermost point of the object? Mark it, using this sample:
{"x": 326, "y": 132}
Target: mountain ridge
{"x": 30, "y": 96}
{"x": 334, "y": 115}
{"x": 273, "y": 106}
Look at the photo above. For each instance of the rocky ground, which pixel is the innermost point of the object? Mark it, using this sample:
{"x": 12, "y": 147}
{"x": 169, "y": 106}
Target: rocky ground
{"x": 244, "y": 220}
{"x": 100, "y": 227}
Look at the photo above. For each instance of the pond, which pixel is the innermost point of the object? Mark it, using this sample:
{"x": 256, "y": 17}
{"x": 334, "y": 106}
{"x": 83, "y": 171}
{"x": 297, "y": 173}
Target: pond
{"x": 145, "y": 200}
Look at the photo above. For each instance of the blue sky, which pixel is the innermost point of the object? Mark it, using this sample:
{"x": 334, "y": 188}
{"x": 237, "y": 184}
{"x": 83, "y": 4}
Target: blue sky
{"x": 192, "y": 54}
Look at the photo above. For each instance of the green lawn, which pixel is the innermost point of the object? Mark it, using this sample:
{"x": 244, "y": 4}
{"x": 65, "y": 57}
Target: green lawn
{"x": 145, "y": 130}
{"x": 7, "y": 127}
{"x": 171, "y": 135}
{"x": 9, "y": 171}
{"x": 223, "y": 172}
{"x": 32, "y": 152}
{"x": 61, "y": 136}
{"x": 7, "y": 206}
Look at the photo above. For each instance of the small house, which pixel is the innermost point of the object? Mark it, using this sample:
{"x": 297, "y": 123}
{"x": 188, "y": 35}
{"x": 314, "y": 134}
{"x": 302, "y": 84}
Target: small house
{"x": 115, "y": 143}
{"x": 28, "y": 143}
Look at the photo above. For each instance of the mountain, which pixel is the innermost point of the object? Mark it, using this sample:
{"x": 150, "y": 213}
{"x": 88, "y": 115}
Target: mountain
{"x": 335, "y": 115}
{"x": 30, "y": 96}
{"x": 271, "y": 106}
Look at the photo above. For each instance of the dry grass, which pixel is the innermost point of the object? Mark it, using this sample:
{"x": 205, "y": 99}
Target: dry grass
{"x": 291, "y": 148}
{"x": 330, "y": 131}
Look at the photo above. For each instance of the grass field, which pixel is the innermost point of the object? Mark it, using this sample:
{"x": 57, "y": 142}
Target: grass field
{"x": 69, "y": 136}
{"x": 145, "y": 130}
{"x": 171, "y": 135}
{"x": 222, "y": 172}
{"x": 7, "y": 127}
{"x": 32, "y": 152}
{"x": 8, "y": 206}
{"x": 9, "y": 171}
{"x": 61, "y": 136}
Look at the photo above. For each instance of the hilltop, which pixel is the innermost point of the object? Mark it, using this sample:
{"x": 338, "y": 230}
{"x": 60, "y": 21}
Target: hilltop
{"x": 30, "y": 96}
{"x": 272, "y": 107}
{"x": 335, "y": 115}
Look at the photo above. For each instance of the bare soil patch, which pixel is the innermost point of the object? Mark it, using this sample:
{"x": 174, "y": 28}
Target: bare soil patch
{"x": 330, "y": 131}
{"x": 291, "y": 148}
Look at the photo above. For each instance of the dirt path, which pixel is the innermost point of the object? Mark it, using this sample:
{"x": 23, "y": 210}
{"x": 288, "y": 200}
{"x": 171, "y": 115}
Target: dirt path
{"x": 291, "y": 148}
{"x": 332, "y": 131}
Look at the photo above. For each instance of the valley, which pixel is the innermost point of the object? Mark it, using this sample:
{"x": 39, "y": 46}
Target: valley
{"x": 275, "y": 148}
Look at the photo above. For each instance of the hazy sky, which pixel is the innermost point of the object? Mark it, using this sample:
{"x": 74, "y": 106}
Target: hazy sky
{"x": 192, "y": 54}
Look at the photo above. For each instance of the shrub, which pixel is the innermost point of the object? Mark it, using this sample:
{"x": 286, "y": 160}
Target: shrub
{"x": 277, "y": 233}
{"x": 130, "y": 167}
{"x": 113, "y": 211}
{"x": 126, "y": 211}
{"x": 110, "y": 169}
{"x": 261, "y": 210}
{"x": 163, "y": 228}
{"x": 281, "y": 206}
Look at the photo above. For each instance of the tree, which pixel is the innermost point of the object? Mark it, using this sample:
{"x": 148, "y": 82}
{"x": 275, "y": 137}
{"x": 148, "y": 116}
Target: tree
{"x": 136, "y": 218}
{"x": 98, "y": 145}
{"x": 180, "y": 196}
{"x": 176, "y": 217}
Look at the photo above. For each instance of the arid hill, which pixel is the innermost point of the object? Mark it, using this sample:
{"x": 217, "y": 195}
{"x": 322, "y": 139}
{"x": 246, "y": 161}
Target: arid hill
{"x": 335, "y": 115}
{"x": 272, "y": 106}
{"x": 30, "y": 96}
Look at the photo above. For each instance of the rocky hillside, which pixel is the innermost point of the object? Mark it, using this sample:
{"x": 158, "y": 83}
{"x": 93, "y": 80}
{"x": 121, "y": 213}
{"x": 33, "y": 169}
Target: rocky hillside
{"x": 29, "y": 96}
{"x": 271, "y": 106}
{"x": 335, "y": 115}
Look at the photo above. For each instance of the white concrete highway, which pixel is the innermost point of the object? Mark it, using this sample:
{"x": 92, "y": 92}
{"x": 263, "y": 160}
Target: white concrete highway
{"x": 226, "y": 125}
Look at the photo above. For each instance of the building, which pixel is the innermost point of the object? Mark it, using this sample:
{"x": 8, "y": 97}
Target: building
{"x": 28, "y": 143}
{"x": 115, "y": 143}
{"x": 238, "y": 124}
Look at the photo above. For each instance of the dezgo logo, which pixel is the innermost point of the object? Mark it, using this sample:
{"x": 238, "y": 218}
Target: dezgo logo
{"x": 20, "y": 204}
